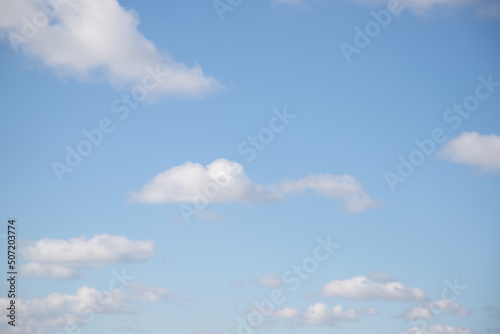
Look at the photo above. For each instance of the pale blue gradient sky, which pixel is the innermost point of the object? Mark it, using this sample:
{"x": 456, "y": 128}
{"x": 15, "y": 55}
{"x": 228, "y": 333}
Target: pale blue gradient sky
{"x": 355, "y": 119}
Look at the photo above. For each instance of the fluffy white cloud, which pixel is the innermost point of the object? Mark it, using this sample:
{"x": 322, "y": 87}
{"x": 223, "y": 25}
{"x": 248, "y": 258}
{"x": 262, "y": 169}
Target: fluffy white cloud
{"x": 270, "y": 281}
{"x": 226, "y": 181}
{"x": 60, "y": 310}
{"x": 474, "y": 149}
{"x": 360, "y": 287}
{"x": 426, "y": 311}
{"x": 320, "y": 314}
{"x": 438, "y": 329}
{"x": 97, "y": 38}
{"x": 59, "y": 259}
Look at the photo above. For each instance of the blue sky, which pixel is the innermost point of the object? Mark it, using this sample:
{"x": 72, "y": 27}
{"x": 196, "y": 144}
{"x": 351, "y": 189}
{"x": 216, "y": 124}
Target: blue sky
{"x": 171, "y": 165}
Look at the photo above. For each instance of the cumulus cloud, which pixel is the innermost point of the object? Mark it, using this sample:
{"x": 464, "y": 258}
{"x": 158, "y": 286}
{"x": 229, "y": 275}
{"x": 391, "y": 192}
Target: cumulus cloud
{"x": 93, "y": 39}
{"x": 60, "y": 259}
{"x": 362, "y": 288}
{"x": 226, "y": 181}
{"x": 320, "y": 314}
{"x": 60, "y": 310}
{"x": 438, "y": 329}
{"x": 474, "y": 149}
{"x": 428, "y": 311}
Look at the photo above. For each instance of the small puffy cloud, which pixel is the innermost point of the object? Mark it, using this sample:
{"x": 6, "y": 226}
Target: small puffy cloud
{"x": 418, "y": 312}
{"x": 96, "y": 39}
{"x": 429, "y": 310}
{"x": 320, "y": 314}
{"x": 270, "y": 281}
{"x": 226, "y": 181}
{"x": 474, "y": 149}
{"x": 438, "y": 329}
{"x": 362, "y": 288}
{"x": 60, "y": 259}
{"x": 58, "y": 310}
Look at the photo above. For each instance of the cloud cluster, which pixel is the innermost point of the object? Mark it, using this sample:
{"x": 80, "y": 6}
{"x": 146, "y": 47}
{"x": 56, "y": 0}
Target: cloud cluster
{"x": 320, "y": 314}
{"x": 362, "y": 288}
{"x": 60, "y": 310}
{"x": 438, "y": 329}
{"x": 474, "y": 149}
{"x": 226, "y": 181}
{"x": 97, "y": 39}
{"x": 61, "y": 259}
{"x": 442, "y": 305}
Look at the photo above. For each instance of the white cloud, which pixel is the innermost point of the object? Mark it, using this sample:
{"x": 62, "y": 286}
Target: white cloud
{"x": 438, "y": 329}
{"x": 270, "y": 281}
{"x": 474, "y": 149}
{"x": 60, "y": 310}
{"x": 320, "y": 314}
{"x": 59, "y": 259}
{"x": 226, "y": 181}
{"x": 426, "y": 311}
{"x": 34, "y": 269}
{"x": 360, "y": 287}
{"x": 95, "y": 38}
